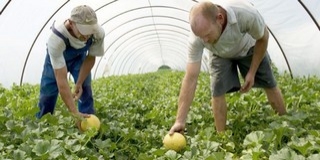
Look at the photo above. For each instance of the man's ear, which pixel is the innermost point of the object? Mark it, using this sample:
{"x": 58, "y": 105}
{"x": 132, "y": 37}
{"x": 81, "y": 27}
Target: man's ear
{"x": 220, "y": 17}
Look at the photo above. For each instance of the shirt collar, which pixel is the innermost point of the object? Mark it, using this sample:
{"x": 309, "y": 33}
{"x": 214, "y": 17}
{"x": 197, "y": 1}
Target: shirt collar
{"x": 231, "y": 16}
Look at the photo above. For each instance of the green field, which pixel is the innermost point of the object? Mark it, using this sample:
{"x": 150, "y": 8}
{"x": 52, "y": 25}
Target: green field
{"x": 136, "y": 111}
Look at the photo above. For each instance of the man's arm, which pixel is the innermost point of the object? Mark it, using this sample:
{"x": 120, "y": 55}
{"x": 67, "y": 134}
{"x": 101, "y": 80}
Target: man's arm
{"x": 259, "y": 51}
{"x": 258, "y": 54}
{"x": 64, "y": 89}
{"x": 85, "y": 70}
{"x": 186, "y": 96}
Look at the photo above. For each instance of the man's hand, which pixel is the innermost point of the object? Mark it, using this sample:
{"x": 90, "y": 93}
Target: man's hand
{"x": 79, "y": 117}
{"x": 77, "y": 92}
{"x": 177, "y": 127}
{"x": 248, "y": 83}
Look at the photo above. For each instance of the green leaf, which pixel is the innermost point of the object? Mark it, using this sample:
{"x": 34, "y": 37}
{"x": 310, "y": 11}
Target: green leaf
{"x": 19, "y": 155}
{"x": 314, "y": 157}
{"x": 172, "y": 154}
{"x": 194, "y": 151}
{"x": 159, "y": 152}
{"x": 1, "y": 146}
{"x": 286, "y": 154}
{"x": 42, "y": 147}
{"x": 300, "y": 144}
{"x": 253, "y": 139}
{"x": 56, "y": 150}
{"x": 216, "y": 156}
{"x": 10, "y": 124}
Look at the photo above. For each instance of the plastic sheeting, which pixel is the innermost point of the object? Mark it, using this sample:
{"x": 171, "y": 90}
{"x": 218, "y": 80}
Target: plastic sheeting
{"x": 296, "y": 32}
{"x": 143, "y": 35}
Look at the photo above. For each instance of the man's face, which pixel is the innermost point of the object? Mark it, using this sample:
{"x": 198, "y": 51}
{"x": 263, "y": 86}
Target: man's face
{"x": 208, "y": 31}
{"x": 77, "y": 33}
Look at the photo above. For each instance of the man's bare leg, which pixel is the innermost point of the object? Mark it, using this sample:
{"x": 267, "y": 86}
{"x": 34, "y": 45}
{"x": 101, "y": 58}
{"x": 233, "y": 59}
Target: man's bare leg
{"x": 219, "y": 107}
{"x": 276, "y": 100}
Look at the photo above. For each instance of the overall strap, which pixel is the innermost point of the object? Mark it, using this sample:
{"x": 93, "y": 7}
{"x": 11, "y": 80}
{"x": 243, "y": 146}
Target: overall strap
{"x": 54, "y": 30}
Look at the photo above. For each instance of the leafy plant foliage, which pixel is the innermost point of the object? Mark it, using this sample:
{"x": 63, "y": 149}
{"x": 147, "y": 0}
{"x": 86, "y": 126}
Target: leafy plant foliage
{"x": 136, "y": 112}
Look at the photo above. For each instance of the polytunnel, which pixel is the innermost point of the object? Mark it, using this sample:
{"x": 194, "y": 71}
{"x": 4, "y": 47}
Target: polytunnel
{"x": 143, "y": 35}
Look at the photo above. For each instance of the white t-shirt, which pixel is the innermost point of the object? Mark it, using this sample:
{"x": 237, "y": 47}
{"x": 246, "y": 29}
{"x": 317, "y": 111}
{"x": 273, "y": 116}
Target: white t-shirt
{"x": 56, "y": 45}
{"x": 244, "y": 26}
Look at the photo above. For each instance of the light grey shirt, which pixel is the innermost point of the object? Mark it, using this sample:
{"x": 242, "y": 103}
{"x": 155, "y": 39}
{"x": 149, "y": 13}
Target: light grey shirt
{"x": 244, "y": 26}
{"x": 56, "y": 45}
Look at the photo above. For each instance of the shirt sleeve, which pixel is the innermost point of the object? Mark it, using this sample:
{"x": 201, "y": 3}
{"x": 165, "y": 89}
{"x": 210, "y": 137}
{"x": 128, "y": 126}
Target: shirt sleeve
{"x": 56, "y": 47}
{"x": 195, "y": 49}
{"x": 254, "y": 23}
{"x": 97, "y": 47}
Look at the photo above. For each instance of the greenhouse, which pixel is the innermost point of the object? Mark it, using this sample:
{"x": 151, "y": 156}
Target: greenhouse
{"x": 137, "y": 81}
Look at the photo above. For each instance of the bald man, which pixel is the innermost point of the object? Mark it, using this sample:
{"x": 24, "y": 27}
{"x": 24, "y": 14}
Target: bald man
{"x": 236, "y": 37}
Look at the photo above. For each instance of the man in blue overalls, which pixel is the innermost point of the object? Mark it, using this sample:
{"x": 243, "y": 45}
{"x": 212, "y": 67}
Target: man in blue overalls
{"x": 72, "y": 47}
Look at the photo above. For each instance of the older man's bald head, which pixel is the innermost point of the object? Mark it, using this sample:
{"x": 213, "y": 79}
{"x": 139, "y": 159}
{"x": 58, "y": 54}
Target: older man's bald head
{"x": 201, "y": 12}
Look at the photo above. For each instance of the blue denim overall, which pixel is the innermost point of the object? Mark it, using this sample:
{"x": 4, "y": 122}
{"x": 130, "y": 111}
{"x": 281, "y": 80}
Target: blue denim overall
{"x": 48, "y": 87}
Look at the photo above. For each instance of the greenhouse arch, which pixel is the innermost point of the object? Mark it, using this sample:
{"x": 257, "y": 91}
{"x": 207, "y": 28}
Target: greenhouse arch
{"x": 142, "y": 36}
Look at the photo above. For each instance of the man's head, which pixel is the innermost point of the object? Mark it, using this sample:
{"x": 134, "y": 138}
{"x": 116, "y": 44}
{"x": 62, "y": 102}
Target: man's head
{"x": 85, "y": 19}
{"x": 206, "y": 21}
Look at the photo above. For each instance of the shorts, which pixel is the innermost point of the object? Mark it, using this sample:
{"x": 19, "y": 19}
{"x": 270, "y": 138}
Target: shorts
{"x": 225, "y": 78}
